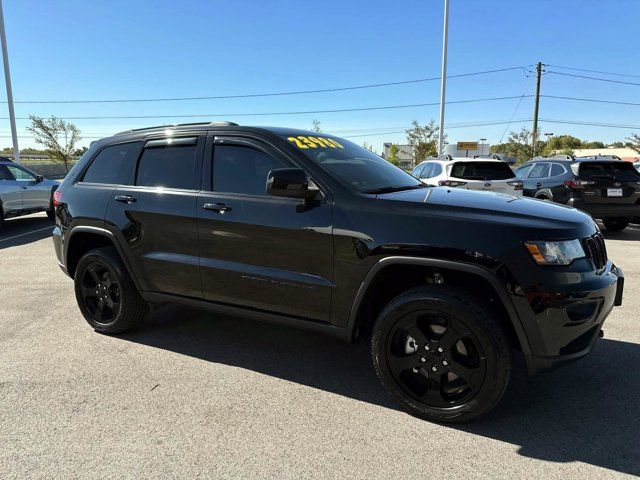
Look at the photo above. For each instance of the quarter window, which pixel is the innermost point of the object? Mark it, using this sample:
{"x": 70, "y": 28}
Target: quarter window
{"x": 239, "y": 169}
{"x": 114, "y": 165}
{"x": 168, "y": 166}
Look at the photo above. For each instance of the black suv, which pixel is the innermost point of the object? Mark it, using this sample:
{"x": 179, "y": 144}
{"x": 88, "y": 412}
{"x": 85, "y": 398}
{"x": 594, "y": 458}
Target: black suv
{"x": 607, "y": 188}
{"x": 311, "y": 230}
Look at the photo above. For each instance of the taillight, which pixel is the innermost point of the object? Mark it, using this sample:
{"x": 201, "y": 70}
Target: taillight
{"x": 451, "y": 183}
{"x": 517, "y": 184}
{"x": 578, "y": 184}
{"x": 57, "y": 198}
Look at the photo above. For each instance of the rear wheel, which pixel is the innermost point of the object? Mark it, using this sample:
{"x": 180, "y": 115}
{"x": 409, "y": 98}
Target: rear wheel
{"x": 441, "y": 353}
{"x": 615, "y": 224}
{"x": 106, "y": 294}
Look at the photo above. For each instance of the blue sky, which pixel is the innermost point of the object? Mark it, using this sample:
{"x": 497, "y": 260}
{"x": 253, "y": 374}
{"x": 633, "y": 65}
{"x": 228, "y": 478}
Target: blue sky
{"x": 75, "y": 50}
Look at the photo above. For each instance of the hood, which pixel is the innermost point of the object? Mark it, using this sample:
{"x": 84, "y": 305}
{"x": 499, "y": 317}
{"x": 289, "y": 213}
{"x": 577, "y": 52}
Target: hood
{"x": 490, "y": 207}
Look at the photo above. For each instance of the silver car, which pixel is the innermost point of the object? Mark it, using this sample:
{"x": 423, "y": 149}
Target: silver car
{"x": 23, "y": 192}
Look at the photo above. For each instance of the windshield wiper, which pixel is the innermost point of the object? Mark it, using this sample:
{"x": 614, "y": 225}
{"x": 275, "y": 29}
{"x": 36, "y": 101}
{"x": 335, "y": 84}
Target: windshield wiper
{"x": 395, "y": 189}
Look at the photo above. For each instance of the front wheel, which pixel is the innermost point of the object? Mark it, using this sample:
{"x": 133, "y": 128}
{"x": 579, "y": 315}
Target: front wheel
{"x": 106, "y": 294}
{"x": 615, "y": 224}
{"x": 441, "y": 354}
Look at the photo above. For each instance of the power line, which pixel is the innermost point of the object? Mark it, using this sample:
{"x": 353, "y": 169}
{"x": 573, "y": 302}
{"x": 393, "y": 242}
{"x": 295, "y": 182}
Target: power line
{"x": 596, "y": 71}
{"x": 453, "y": 125}
{"x": 301, "y": 112}
{"x": 609, "y": 80}
{"x": 593, "y": 124}
{"x": 269, "y": 94}
{"x": 595, "y": 100}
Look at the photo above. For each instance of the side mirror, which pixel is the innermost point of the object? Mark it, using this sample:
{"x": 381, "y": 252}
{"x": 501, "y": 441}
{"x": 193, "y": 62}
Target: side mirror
{"x": 290, "y": 182}
{"x": 39, "y": 178}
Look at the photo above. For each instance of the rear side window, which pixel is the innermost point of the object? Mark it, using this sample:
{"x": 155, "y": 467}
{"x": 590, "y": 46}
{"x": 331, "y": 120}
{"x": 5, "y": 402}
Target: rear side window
{"x": 4, "y": 173}
{"x": 114, "y": 165}
{"x": 482, "y": 171}
{"x": 617, "y": 170}
{"x": 418, "y": 170}
{"x": 437, "y": 170}
{"x": 426, "y": 173}
{"x": 239, "y": 169}
{"x": 539, "y": 170}
{"x": 168, "y": 166}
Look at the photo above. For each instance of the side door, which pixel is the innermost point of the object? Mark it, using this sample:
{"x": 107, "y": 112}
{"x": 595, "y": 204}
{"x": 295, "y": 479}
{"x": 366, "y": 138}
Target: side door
{"x": 260, "y": 251}
{"x": 32, "y": 196}
{"x": 10, "y": 192}
{"x": 558, "y": 173}
{"x": 539, "y": 171}
{"x": 155, "y": 215}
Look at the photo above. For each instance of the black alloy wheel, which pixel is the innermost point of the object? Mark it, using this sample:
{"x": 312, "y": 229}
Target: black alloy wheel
{"x": 100, "y": 292}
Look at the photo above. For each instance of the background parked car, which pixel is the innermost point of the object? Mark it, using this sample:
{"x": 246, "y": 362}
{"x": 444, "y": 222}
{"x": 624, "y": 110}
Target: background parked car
{"x": 471, "y": 173}
{"x": 23, "y": 191}
{"x": 605, "y": 187}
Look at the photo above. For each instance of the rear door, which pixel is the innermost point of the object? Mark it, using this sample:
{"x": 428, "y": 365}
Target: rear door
{"x": 155, "y": 216}
{"x": 10, "y": 192}
{"x": 610, "y": 182}
{"x": 260, "y": 251}
{"x": 33, "y": 196}
{"x": 537, "y": 175}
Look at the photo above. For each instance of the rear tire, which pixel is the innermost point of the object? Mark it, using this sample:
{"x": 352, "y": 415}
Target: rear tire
{"x": 441, "y": 353}
{"x": 615, "y": 224}
{"x": 106, "y": 294}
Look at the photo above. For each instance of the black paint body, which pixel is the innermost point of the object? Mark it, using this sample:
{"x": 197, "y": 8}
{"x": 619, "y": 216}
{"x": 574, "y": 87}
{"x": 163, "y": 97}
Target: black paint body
{"x": 310, "y": 263}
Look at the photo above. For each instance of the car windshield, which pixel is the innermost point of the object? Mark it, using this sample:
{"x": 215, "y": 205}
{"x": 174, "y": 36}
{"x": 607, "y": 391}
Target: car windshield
{"x": 617, "y": 169}
{"x": 353, "y": 165}
{"x": 482, "y": 171}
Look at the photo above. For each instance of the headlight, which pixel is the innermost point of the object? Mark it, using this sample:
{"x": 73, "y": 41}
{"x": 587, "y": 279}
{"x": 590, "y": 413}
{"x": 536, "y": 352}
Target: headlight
{"x": 555, "y": 253}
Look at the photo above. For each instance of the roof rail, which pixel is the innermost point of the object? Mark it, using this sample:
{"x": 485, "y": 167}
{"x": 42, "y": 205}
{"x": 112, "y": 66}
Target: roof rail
{"x": 563, "y": 157}
{"x": 492, "y": 156}
{"x": 213, "y": 124}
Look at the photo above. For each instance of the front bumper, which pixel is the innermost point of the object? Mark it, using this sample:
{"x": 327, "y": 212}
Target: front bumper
{"x": 605, "y": 210}
{"x": 564, "y": 324}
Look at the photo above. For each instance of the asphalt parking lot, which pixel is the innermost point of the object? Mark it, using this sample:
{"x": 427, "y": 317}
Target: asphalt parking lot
{"x": 192, "y": 394}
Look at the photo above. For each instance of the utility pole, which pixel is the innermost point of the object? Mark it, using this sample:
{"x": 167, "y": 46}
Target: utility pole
{"x": 534, "y": 140}
{"x": 7, "y": 79}
{"x": 443, "y": 80}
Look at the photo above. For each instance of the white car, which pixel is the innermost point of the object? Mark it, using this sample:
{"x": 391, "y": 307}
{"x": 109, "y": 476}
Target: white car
{"x": 471, "y": 173}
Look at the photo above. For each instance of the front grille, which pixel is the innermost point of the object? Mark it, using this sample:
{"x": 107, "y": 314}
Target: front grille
{"x": 596, "y": 250}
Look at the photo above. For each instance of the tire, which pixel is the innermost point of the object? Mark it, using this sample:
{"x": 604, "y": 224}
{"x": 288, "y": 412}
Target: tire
{"x": 106, "y": 294}
{"x": 615, "y": 224}
{"x": 481, "y": 354}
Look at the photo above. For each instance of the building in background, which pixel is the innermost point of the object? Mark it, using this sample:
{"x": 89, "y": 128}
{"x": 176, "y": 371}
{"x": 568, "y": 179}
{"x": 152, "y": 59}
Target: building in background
{"x": 624, "y": 153}
{"x": 480, "y": 149}
{"x": 405, "y": 155}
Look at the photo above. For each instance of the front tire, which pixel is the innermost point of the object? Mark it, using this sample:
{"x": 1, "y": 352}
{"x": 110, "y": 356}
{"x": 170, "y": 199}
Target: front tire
{"x": 615, "y": 224}
{"x": 106, "y": 294}
{"x": 441, "y": 353}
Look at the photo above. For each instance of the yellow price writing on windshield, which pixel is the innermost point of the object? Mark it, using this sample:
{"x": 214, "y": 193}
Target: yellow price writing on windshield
{"x": 302, "y": 141}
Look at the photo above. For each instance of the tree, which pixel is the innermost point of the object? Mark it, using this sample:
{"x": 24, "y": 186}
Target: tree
{"x": 423, "y": 140}
{"x": 633, "y": 142}
{"x": 518, "y": 146}
{"x": 80, "y": 151}
{"x": 394, "y": 150}
{"x": 316, "y": 126}
{"x": 58, "y": 137}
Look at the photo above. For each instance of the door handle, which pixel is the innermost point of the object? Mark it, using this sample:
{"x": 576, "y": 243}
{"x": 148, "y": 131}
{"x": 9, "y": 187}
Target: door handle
{"x": 124, "y": 199}
{"x": 217, "y": 207}
{"x": 538, "y": 185}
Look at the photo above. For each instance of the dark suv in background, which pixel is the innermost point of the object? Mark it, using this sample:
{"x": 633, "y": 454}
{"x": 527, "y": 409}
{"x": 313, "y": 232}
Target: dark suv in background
{"x": 607, "y": 188}
{"x": 313, "y": 231}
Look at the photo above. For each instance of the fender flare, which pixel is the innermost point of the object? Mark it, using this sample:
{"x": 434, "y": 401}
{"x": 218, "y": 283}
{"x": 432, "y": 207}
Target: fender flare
{"x": 485, "y": 273}
{"x": 105, "y": 233}
{"x": 546, "y": 192}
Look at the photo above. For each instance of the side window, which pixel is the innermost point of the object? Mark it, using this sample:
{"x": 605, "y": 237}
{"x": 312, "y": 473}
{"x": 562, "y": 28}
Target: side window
{"x": 418, "y": 170}
{"x": 169, "y": 166}
{"x": 437, "y": 170}
{"x": 4, "y": 173}
{"x": 522, "y": 172}
{"x": 21, "y": 174}
{"x": 539, "y": 170}
{"x": 556, "y": 170}
{"x": 426, "y": 173}
{"x": 239, "y": 169}
{"x": 114, "y": 165}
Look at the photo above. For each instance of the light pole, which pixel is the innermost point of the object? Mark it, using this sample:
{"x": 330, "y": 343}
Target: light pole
{"x": 548, "y": 135}
{"x": 480, "y": 143}
{"x": 443, "y": 80}
{"x": 7, "y": 79}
